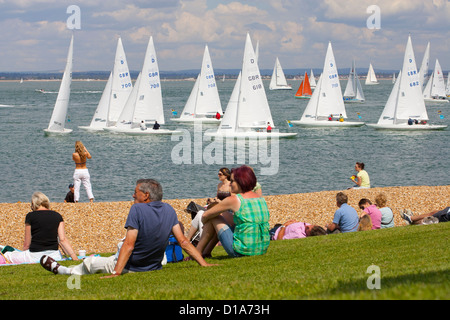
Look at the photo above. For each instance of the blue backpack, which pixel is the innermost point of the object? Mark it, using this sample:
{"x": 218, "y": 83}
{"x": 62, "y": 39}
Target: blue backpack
{"x": 174, "y": 253}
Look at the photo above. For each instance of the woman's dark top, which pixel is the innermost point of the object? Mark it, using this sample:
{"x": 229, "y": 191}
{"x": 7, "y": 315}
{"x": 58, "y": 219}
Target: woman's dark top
{"x": 223, "y": 194}
{"x": 44, "y": 229}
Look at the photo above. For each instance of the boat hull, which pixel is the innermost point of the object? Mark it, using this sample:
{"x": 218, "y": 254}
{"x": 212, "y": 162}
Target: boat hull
{"x": 91, "y": 129}
{"x": 327, "y": 124}
{"x": 405, "y": 127}
{"x": 436, "y": 100}
{"x": 139, "y": 132}
{"x": 281, "y": 88}
{"x": 250, "y": 134}
{"x": 48, "y": 132}
{"x": 303, "y": 97}
{"x": 196, "y": 120}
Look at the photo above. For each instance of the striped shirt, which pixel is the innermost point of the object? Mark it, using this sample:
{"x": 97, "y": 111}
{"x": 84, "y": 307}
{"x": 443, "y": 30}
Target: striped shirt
{"x": 251, "y": 234}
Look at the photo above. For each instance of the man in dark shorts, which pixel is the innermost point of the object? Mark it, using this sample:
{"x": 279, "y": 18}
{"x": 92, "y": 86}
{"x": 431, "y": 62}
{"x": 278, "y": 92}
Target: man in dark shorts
{"x": 441, "y": 215}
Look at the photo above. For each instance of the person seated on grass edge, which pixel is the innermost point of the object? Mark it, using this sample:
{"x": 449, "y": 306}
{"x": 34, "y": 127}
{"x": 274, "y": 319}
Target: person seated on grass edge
{"x": 251, "y": 218}
{"x": 293, "y": 229}
{"x": 370, "y": 209}
{"x": 44, "y": 232}
{"x": 345, "y": 218}
{"x": 149, "y": 225}
{"x": 442, "y": 215}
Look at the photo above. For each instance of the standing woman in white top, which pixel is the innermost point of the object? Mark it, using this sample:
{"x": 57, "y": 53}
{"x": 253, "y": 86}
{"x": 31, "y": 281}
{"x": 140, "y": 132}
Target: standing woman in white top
{"x": 81, "y": 173}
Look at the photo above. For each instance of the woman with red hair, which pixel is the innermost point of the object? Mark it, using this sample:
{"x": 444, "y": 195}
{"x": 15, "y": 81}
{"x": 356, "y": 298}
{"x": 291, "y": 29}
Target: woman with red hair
{"x": 251, "y": 218}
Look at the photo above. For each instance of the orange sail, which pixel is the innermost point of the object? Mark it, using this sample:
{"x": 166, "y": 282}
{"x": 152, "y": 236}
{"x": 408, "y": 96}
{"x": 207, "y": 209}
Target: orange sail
{"x": 304, "y": 91}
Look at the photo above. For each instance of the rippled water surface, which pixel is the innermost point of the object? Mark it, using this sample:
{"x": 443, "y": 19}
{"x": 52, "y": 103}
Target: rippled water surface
{"x": 316, "y": 160}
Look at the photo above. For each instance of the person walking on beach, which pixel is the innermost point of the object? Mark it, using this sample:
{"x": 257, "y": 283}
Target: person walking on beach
{"x": 149, "y": 224}
{"x": 81, "y": 173}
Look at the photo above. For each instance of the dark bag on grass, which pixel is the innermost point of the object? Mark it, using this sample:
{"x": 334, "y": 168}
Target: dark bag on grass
{"x": 193, "y": 208}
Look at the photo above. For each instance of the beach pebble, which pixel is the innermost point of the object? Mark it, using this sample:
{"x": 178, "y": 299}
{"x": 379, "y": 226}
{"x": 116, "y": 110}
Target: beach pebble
{"x": 98, "y": 227}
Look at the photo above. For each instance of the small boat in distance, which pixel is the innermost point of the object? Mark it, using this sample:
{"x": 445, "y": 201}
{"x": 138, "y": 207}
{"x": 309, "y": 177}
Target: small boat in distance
{"x": 304, "y": 91}
{"x": 312, "y": 80}
{"x": 371, "y": 78}
{"x": 353, "y": 90}
{"x": 278, "y": 80}
{"x": 435, "y": 88}
{"x": 57, "y": 122}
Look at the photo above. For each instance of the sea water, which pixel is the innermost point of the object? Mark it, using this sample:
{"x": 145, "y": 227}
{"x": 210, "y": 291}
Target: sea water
{"x": 315, "y": 160}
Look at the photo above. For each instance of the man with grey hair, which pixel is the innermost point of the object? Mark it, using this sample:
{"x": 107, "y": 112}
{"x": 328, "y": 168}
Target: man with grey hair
{"x": 345, "y": 218}
{"x": 149, "y": 225}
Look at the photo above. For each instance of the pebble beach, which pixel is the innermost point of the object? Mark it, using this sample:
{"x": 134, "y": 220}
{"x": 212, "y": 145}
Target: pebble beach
{"x": 98, "y": 227}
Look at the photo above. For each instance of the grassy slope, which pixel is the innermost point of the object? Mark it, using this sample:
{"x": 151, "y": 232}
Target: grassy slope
{"x": 414, "y": 264}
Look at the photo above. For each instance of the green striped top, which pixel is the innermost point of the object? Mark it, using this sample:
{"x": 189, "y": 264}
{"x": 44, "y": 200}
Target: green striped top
{"x": 251, "y": 234}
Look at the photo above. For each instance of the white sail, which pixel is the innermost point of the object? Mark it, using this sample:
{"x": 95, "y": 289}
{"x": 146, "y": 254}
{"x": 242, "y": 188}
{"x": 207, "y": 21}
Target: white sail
{"x": 388, "y": 114}
{"x": 253, "y": 107}
{"x": 101, "y": 113}
{"x": 204, "y": 102}
{"x": 208, "y": 100}
{"x": 438, "y": 87}
{"x": 353, "y": 90}
{"x": 410, "y": 103}
{"x": 248, "y": 107}
{"x": 329, "y": 94}
{"x": 58, "y": 118}
{"x": 278, "y": 80}
{"x": 447, "y": 89}
{"x": 427, "y": 90}
{"x": 121, "y": 85}
{"x": 423, "y": 72}
{"x": 145, "y": 101}
{"x": 189, "y": 107}
{"x": 312, "y": 80}
{"x": 229, "y": 121}
{"x": 371, "y": 77}
{"x": 393, "y": 77}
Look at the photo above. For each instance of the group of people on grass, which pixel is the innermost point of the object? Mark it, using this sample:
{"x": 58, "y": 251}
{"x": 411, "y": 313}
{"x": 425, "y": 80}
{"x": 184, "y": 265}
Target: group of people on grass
{"x": 238, "y": 217}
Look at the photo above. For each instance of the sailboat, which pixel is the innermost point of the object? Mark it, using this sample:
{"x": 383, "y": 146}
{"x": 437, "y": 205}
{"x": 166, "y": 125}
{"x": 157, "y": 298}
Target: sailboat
{"x": 203, "y": 103}
{"x": 144, "y": 104}
{"x": 423, "y": 71}
{"x": 278, "y": 80}
{"x": 58, "y": 119}
{"x": 312, "y": 80}
{"x": 248, "y": 112}
{"x": 371, "y": 78}
{"x": 304, "y": 91}
{"x": 435, "y": 88}
{"x": 393, "y": 77}
{"x": 447, "y": 89}
{"x": 326, "y": 100}
{"x": 406, "y": 101}
{"x": 98, "y": 121}
{"x": 115, "y": 94}
{"x": 353, "y": 91}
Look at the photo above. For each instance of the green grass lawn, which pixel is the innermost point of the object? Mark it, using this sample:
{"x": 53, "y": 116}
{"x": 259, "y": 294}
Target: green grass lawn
{"x": 413, "y": 262}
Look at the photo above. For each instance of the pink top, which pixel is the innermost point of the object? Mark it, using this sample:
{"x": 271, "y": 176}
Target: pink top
{"x": 293, "y": 231}
{"x": 375, "y": 215}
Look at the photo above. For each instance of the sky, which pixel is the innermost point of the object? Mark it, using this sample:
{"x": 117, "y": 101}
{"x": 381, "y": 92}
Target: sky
{"x": 35, "y": 36}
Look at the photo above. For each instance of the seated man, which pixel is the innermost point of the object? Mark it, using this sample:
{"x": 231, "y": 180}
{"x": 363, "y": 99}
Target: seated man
{"x": 345, "y": 218}
{"x": 441, "y": 215}
{"x": 295, "y": 230}
{"x": 149, "y": 225}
